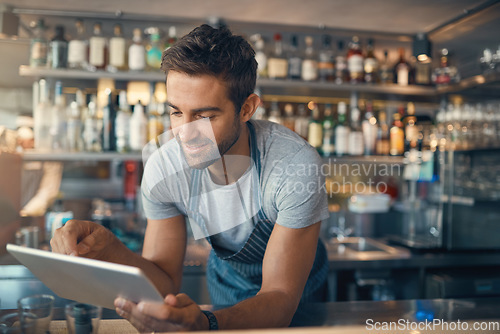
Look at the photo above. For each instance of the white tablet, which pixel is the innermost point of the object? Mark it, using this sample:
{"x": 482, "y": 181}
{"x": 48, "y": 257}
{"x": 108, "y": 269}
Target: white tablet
{"x": 85, "y": 280}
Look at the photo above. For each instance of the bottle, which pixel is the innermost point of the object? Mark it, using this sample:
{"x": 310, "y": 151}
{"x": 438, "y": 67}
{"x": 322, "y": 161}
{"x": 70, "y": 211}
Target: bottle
{"x": 108, "y": 124}
{"x": 92, "y": 127}
{"x": 341, "y": 131}
{"x": 154, "y": 51}
{"x": 294, "y": 60}
{"x": 410, "y": 127}
{"x": 117, "y": 50}
{"x": 328, "y": 145}
{"x": 402, "y": 70}
{"x": 397, "y": 136}
{"x": 370, "y": 130}
{"x": 58, "y": 49}
{"x": 326, "y": 67}
{"x": 445, "y": 74}
{"x": 275, "y": 113}
{"x": 341, "y": 71}
{"x": 355, "y": 61}
{"x": 98, "y": 49}
{"x": 39, "y": 45}
{"x": 309, "y": 63}
{"x": 138, "y": 128}
{"x": 155, "y": 124}
{"x": 385, "y": 71}
{"x": 356, "y": 142}
{"x": 78, "y": 48}
{"x": 172, "y": 37}
{"x": 370, "y": 64}
{"x": 41, "y": 119}
{"x": 302, "y": 122}
{"x": 260, "y": 55}
{"x": 137, "y": 52}
{"x": 74, "y": 126}
{"x": 277, "y": 65}
{"x": 289, "y": 120}
{"x": 122, "y": 123}
{"x": 315, "y": 130}
{"x": 58, "y": 129}
{"x": 383, "y": 144}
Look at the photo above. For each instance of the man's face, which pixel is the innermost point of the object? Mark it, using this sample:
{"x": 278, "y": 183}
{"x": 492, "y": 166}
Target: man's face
{"x": 203, "y": 119}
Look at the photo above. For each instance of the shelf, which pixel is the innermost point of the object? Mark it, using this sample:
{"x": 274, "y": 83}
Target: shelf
{"x": 488, "y": 84}
{"x": 364, "y": 159}
{"x": 80, "y": 156}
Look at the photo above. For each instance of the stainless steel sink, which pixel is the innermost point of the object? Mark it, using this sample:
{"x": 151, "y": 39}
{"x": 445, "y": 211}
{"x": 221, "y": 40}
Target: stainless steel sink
{"x": 358, "y": 248}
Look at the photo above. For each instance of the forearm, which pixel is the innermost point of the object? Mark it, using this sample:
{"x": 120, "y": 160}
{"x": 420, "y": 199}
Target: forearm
{"x": 265, "y": 310}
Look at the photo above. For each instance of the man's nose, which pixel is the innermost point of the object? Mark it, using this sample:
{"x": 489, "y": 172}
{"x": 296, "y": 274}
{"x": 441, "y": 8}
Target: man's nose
{"x": 188, "y": 130}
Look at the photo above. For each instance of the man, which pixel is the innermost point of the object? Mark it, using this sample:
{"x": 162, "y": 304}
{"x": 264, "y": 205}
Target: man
{"x": 266, "y": 257}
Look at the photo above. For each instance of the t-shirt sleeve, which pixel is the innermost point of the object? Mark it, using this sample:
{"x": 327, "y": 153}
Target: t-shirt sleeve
{"x": 301, "y": 198}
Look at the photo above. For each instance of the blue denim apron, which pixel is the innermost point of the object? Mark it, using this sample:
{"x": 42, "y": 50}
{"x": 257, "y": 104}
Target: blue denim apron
{"x": 238, "y": 276}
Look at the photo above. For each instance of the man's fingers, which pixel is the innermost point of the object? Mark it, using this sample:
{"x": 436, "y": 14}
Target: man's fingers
{"x": 87, "y": 244}
{"x": 163, "y": 312}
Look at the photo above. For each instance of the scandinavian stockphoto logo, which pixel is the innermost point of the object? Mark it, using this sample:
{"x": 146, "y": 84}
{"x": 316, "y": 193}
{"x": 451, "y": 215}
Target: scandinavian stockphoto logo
{"x": 184, "y": 169}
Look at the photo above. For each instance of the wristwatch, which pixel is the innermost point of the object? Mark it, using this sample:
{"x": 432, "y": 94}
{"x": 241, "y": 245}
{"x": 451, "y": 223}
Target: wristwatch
{"x": 212, "y": 320}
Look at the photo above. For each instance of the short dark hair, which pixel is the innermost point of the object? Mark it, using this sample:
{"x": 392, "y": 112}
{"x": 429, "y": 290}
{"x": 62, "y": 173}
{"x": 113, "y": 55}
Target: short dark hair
{"x": 217, "y": 52}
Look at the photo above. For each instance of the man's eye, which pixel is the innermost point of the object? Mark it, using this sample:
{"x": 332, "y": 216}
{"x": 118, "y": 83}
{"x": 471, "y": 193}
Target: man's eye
{"x": 176, "y": 113}
{"x": 205, "y": 116}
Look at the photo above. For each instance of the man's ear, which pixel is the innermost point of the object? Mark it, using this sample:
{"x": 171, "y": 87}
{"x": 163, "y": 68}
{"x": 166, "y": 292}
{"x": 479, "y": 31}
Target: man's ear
{"x": 249, "y": 107}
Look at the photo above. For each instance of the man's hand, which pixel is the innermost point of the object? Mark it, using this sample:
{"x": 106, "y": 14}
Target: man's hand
{"x": 78, "y": 237}
{"x": 177, "y": 313}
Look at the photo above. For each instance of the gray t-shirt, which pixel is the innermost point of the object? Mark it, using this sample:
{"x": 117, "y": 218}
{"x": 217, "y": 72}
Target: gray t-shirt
{"x": 290, "y": 187}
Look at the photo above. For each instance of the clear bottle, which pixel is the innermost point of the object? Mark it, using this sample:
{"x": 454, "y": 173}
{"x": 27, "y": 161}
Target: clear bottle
{"x": 328, "y": 145}
{"x": 138, "y": 128}
{"x": 39, "y": 45}
{"x": 172, "y": 37}
{"x": 277, "y": 64}
{"x": 385, "y": 70}
{"x": 260, "y": 55}
{"x": 397, "y": 136}
{"x": 137, "y": 52}
{"x": 315, "y": 131}
{"x": 310, "y": 62}
{"x": 356, "y": 141}
{"x": 370, "y": 130}
{"x": 117, "y": 50}
{"x": 355, "y": 61}
{"x": 410, "y": 127}
{"x": 326, "y": 66}
{"x": 154, "y": 51}
{"x": 41, "y": 119}
{"x": 108, "y": 124}
{"x": 294, "y": 60}
{"x": 58, "y": 49}
{"x": 122, "y": 123}
{"x": 92, "y": 127}
{"x": 98, "y": 49}
{"x": 342, "y": 131}
{"x": 58, "y": 129}
{"x": 74, "y": 128}
{"x": 341, "y": 71}
{"x": 289, "y": 119}
{"x": 275, "y": 113}
{"x": 383, "y": 144}
{"x": 370, "y": 64}
{"x": 402, "y": 70}
{"x": 78, "y": 48}
{"x": 302, "y": 121}
{"x": 155, "y": 124}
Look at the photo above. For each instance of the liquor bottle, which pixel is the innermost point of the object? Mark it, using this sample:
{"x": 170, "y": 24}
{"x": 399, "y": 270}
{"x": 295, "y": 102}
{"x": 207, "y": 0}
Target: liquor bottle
{"x": 58, "y": 49}
{"x": 108, "y": 124}
{"x": 326, "y": 67}
{"x": 410, "y": 127}
{"x": 302, "y": 121}
{"x": 370, "y": 64}
{"x": 341, "y": 71}
{"x": 275, "y": 113}
{"x": 383, "y": 144}
{"x": 172, "y": 37}
{"x": 356, "y": 142}
{"x": 41, "y": 121}
{"x": 315, "y": 130}
{"x": 289, "y": 120}
{"x": 154, "y": 51}
{"x": 355, "y": 61}
{"x": 294, "y": 60}
{"x": 74, "y": 127}
{"x": 328, "y": 145}
{"x": 309, "y": 63}
{"x": 397, "y": 136}
{"x": 92, "y": 127}
{"x": 402, "y": 70}
{"x": 277, "y": 64}
{"x": 445, "y": 74}
{"x": 370, "y": 130}
{"x": 78, "y": 48}
{"x": 39, "y": 45}
{"x": 138, "y": 128}
{"x": 385, "y": 71}
{"x": 260, "y": 55}
{"x": 58, "y": 120}
{"x": 122, "y": 123}
{"x": 98, "y": 49}
{"x": 155, "y": 124}
{"x": 137, "y": 52}
{"x": 341, "y": 131}
{"x": 117, "y": 51}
